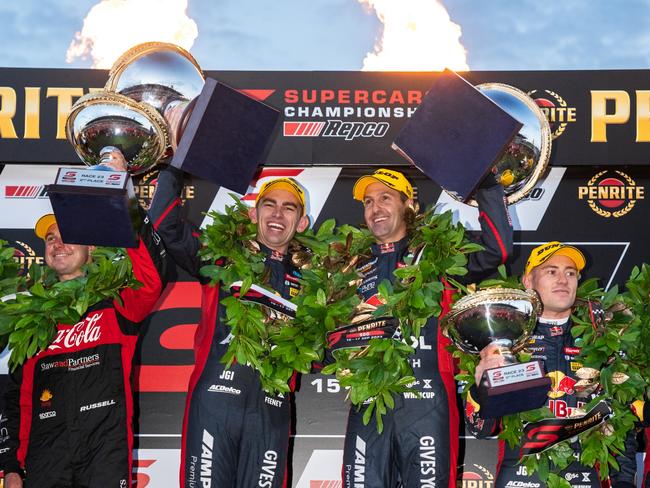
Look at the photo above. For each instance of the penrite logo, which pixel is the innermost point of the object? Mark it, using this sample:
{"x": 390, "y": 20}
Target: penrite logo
{"x": 25, "y": 191}
{"x": 475, "y": 476}
{"x": 25, "y": 256}
{"x": 145, "y": 186}
{"x": 557, "y": 111}
{"x": 611, "y": 194}
{"x": 335, "y": 128}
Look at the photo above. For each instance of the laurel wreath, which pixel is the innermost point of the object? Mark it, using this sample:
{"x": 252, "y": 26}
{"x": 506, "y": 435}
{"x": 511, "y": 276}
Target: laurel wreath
{"x": 617, "y": 350}
{"x": 28, "y": 320}
{"x": 378, "y": 372}
{"x": 563, "y": 125}
{"x": 274, "y": 345}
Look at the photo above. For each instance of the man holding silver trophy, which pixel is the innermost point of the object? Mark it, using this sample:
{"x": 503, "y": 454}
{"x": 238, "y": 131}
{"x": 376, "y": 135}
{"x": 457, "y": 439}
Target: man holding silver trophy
{"x": 395, "y": 457}
{"x": 473, "y": 142}
{"x": 552, "y": 270}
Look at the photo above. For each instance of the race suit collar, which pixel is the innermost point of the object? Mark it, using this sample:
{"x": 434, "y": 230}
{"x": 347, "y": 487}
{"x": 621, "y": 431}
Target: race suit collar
{"x": 272, "y": 254}
{"x": 389, "y": 247}
{"x": 553, "y": 327}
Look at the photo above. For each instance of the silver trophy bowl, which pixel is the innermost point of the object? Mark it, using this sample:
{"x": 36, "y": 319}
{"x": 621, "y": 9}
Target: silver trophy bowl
{"x": 502, "y": 315}
{"x": 156, "y": 73}
{"x": 525, "y": 159}
{"x": 105, "y": 121}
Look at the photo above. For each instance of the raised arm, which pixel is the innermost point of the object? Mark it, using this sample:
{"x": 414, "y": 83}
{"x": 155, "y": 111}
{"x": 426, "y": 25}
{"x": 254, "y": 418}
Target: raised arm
{"x": 149, "y": 261}
{"x": 180, "y": 237}
{"x": 496, "y": 232}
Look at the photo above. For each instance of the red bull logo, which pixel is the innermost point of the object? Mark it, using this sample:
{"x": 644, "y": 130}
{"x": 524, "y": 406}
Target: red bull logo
{"x": 561, "y": 384}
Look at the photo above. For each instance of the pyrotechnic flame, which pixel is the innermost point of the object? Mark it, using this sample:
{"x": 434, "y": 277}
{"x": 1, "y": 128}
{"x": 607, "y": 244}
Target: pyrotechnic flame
{"x": 418, "y": 36}
{"x": 113, "y": 26}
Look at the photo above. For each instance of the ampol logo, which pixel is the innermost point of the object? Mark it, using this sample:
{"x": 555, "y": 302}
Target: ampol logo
{"x": 556, "y": 109}
{"x": 475, "y": 476}
{"x": 611, "y": 194}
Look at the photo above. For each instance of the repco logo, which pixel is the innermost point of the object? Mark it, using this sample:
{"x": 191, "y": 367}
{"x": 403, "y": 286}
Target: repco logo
{"x": 611, "y": 193}
{"x": 475, "y": 476}
{"x": 84, "y": 332}
{"x": 556, "y": 110}
{"x": 336, "y": 128}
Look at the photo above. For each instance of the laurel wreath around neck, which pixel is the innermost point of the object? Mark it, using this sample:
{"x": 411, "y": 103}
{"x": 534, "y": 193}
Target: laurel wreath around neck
{"x": 29, "y": 319}
{"x": 616, "y": 353}
{"x": 380, "y": 371}
{"x": 277, "y": 346}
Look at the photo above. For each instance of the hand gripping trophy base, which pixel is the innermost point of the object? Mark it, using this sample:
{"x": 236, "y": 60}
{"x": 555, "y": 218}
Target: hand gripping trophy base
{"x": 515, "y": 387}
{"x": 96, "y": 205}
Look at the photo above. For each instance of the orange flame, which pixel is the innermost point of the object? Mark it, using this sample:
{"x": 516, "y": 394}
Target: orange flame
{"x": 418, "y": 35}
{"x": 113, "y": 26}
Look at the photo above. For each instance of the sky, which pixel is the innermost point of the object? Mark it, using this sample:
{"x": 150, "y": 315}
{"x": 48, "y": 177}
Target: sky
{"x": 338, "y": 34}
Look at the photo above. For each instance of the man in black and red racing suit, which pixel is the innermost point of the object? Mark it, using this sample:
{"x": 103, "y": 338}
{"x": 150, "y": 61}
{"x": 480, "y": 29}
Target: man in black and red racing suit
{"x": 419, "y": 443}
{"x": 234, "y": 434}
{"x": 69, "y": 408}
{"x": 553, "y": 271}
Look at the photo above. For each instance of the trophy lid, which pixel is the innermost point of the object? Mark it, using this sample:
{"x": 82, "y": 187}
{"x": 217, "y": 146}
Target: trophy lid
{"x": 156, "y": 73}
{"x": 102, "y": 119}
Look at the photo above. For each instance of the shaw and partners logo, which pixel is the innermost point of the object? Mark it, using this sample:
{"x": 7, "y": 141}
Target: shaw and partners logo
{"x": 611, "y": 193}
{"x": 556, "y": 109}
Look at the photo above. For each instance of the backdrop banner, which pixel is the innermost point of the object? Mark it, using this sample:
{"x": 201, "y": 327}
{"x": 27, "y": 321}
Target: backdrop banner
{"x": 335, "y": 127}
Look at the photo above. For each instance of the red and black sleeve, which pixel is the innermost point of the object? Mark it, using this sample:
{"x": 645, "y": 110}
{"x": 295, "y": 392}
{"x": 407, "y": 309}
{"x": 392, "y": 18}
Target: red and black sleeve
{"x": 180, "y": 237}
{"x": 496, "y": 234}
{"x": 149, "y": 262}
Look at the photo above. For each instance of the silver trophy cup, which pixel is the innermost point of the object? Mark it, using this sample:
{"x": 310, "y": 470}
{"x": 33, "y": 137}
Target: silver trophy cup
{"x": 505, "y": 317}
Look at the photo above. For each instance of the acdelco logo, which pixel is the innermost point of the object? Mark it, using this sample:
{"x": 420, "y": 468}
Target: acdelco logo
{"x": 224, "y": 389}
{"x": 611, "y": 194}
{"x": 556, "y": 110}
